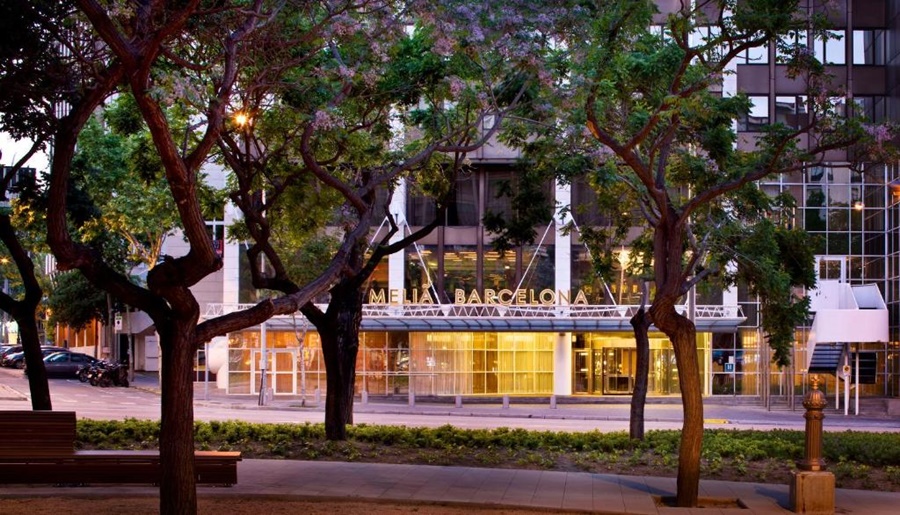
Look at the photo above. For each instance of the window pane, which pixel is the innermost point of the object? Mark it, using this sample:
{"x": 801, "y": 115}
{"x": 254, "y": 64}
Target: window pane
{"x": 832, "y": 50}
{"x": 868, "y": 47}
{"x": 500, "y": 269}
{"x": 421, "y": 266}
{"x": 463, "y": 209}
{"x": 758, "y": 116}
{"x": 420, "y": 210}
{"x": 460, "y": 270}
{"x": 539, "y": 268}
{"x": 791, "y": 111}
{"x": 500, "y": 190}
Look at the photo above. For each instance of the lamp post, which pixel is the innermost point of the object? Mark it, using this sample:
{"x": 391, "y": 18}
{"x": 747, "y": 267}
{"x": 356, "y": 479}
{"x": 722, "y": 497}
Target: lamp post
{"x": 811, "y": 487}
{"x": 4, "y": 333}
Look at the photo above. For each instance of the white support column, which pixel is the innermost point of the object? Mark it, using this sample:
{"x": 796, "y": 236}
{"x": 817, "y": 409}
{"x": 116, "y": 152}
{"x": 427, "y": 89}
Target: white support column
{"x": 563, "y": 248}
{"x": 562, "y": 352}
{"x": 397, "y": 260}
{"x": 230, "y": 261}
{"x": 562, "y": 364}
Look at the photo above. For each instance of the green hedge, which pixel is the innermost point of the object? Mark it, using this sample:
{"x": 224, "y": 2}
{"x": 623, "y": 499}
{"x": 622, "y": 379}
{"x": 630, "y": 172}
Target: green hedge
{"x": 873, "y": 449}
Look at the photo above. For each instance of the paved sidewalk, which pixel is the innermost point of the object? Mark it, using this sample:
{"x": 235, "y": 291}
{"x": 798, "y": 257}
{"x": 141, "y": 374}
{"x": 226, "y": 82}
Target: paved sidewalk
{"x": 570, "y": 491}
{"x": 551, "y": 490}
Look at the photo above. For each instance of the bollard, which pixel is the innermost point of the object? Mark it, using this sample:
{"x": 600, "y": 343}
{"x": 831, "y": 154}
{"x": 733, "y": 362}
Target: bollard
{"x": 412, "y": 398}
{"x": 506, "y": 402}
{"x": 365, "y": 397}
{"x": 814, "y": 402}
{"x": 459, "y": 401}
{"x": 812, "y": 488}
{"x": 552, "y": 402}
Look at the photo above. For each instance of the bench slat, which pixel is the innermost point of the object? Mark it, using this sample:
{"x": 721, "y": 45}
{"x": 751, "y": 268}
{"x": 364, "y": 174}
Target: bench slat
{"x": 38, "y": 447}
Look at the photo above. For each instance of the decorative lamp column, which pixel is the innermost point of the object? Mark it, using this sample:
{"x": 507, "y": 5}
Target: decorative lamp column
{"x": 814, "y": 402}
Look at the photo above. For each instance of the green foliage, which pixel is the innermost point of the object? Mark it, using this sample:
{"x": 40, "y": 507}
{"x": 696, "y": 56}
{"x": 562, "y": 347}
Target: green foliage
{"x": 529, "y": 207}
{"x": 773, "y": 260}
{"x": 873, "y": 449}
{"x": 75, "y": 302}
{"x": 767, "y": 452}
{"x": 118, "y": 167}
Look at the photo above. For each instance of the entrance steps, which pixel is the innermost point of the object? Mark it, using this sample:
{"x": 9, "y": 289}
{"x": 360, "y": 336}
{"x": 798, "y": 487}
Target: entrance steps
{"x": 868, "y": 406}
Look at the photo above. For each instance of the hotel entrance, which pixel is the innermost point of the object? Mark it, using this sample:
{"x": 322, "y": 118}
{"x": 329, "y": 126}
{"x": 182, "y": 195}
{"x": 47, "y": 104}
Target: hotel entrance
{"x": 606, "y": 364}
{"x": 605, "y": 371}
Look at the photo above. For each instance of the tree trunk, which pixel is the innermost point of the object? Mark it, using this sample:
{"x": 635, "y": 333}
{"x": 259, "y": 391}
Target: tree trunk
{"x": 682, "y": 334}
{"x": 178, "y": 485}
{"x": 24, "y": 312}
{"x": 34, "y": 361}
{"x": 340, "y": 346}
{"x": 641, "y": 324}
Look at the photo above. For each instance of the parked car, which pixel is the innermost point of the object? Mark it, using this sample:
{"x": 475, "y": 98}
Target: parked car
{"x": 66, "y": 364}
{"x": 17, "y": 360}
{"x": 7, "y": 351}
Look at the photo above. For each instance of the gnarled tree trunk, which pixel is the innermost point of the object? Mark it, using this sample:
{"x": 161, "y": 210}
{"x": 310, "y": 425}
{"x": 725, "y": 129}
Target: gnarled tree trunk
{"x": 24, "y": 312}
{"x": 338, "y": 328}
{"x": 682, "y": 333}
{"x": 641, "y": 324}
{"x": 178, "y": 483}
{"x": 34, "y": 361}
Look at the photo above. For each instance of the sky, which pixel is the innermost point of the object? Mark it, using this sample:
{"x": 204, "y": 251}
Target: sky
{"x": 13, "y": 150}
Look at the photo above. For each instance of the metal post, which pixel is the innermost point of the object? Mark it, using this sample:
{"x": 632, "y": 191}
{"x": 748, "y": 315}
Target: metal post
{"x": 856, "y": 394}
{"x": 814, "y": 402}
{"x": 3, "y": 330}
{"x": 263, "y": 363}
{"x": 206, "y": 371}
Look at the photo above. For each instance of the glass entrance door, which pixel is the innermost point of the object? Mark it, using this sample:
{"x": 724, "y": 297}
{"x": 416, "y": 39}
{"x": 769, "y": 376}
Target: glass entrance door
{"x": 582, "y": 372}
{"x": 618, "y": 365}
{"x": 281, "y": 370}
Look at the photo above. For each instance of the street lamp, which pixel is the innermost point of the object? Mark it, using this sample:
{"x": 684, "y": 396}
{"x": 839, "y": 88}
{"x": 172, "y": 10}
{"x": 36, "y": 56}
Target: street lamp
{"x": 241, "y": 119}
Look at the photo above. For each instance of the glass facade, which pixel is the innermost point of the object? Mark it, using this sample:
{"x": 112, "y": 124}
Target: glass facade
{"x": 854, "y": 212}
{"x": 846, "y": 208}
{"x": 458, "y": 363}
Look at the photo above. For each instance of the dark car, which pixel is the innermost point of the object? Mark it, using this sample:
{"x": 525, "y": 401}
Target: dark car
{"x": 66, "y": 364}
{"x": 8, "y": 351}
{"x": 17, "y": 360}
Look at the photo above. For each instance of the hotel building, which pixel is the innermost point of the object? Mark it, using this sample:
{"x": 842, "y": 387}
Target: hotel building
{"x": 452, "y": 316}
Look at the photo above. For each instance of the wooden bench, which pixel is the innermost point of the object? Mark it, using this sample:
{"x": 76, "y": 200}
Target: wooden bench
{"x": 39, "y": 447}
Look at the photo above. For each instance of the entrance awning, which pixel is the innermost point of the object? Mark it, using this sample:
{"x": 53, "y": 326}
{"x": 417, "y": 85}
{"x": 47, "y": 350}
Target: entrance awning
{"x": 516, "y": 318}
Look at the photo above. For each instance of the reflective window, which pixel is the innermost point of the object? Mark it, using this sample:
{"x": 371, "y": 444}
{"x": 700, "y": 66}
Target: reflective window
{"x": 873, "y": 109}
{"x": 500, "y": 269}
{"x": 758, "y": 117}
{"x": 791, "y": 111}
{"x": 460, "y": 270}
{"x": 788, "y": 45}
{"x": 539, "y": 268}
{"x": 463, "y": 208}
{"x": 421, "y": 266}
{"x": 831, "y": 48}
{"x": 868, "y": 47}
{"x": 755, "y": 55}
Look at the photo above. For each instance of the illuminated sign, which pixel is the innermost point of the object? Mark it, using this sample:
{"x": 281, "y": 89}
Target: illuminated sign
{"x": 505, "y": 297}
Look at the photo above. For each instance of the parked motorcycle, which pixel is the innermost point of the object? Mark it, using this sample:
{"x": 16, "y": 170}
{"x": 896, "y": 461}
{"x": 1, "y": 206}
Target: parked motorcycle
{"x": 104, "y": 374}
{"x": 83, "y": 372}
